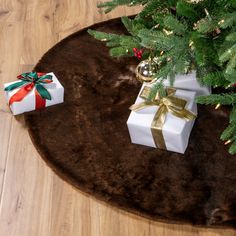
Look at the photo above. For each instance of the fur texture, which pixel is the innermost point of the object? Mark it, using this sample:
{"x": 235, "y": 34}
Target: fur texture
{"x": 86, "y": 141}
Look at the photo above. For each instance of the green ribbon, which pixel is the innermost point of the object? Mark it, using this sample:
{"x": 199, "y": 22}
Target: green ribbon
{"x": 35, "y": 78}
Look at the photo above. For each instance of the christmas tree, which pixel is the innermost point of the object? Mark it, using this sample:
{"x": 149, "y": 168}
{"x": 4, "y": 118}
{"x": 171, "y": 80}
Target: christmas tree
{"x": 178, "y": 36}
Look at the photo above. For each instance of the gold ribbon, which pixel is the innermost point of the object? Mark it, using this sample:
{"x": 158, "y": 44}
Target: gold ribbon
{"x": 170, "y": 103}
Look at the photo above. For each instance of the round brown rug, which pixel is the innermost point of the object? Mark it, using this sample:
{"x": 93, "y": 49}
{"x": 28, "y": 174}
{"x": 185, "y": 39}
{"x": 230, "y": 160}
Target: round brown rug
{"x": 86, "y": 141}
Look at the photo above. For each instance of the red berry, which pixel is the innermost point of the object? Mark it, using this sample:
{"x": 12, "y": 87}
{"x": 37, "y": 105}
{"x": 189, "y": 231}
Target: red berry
{"x": 138, "y": 53}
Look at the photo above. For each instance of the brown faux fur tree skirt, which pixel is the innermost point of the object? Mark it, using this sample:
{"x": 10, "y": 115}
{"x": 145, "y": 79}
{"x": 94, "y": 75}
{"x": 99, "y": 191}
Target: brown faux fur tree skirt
{"x": 86, "y": 141}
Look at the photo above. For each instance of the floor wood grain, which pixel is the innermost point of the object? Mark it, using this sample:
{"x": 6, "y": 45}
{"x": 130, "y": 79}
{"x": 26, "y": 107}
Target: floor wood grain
{"x": 33, "y": 200}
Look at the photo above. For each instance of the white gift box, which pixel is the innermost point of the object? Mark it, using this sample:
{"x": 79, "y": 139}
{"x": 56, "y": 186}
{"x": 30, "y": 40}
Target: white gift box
{"x": 189, "y": 82}
{"x": 55, "y": 89}
{"x": 176, "y": 131}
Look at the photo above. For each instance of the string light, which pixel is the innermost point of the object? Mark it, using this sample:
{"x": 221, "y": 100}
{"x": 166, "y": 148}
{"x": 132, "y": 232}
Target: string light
{"x": 194, "y": 1}
{"x": 167, "y": 32}
{"x": 103, "y": 40}
{"x": 131, "y": 4}
{"x": 195, "y": 25}
{"x": 207, "y": 14}
{"x": 228, "y": 142}
{"x": 217, "y": 106}
{"x": 221, "y": 22}
{"x": 191, "y": 43}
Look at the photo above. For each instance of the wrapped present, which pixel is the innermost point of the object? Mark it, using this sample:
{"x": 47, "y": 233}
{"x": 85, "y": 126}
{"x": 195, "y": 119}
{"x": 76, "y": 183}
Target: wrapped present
{"x": 33, "y": 91}
{"x": 189, "y": 82}
{"x": 165, "y": 122}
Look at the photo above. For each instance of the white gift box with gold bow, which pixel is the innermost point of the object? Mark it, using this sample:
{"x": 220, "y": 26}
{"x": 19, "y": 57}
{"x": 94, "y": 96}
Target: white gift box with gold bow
{"x": 173, "y": 134}
{"x": 189, "y": 82}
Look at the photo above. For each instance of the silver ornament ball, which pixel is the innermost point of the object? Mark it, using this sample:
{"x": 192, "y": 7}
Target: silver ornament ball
{"x": 145, "y": 71}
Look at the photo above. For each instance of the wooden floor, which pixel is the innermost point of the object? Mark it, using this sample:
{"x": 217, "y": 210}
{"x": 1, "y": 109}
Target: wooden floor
{"x": 33, "y": 200}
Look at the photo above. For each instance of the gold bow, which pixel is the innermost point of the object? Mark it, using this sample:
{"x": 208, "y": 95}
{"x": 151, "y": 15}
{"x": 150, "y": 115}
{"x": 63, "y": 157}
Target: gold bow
{"x": 170, "y": 103}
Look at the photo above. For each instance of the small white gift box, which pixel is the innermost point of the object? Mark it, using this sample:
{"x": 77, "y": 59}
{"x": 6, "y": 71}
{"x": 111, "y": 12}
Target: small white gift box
{"x": 189, "y": 82}
{"x": 175, "y": 131}
{"x": 28, "y": 103}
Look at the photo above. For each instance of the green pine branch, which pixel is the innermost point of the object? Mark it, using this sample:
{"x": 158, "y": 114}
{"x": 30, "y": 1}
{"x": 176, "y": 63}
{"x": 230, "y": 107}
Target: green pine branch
{"x": 132, "y": 26}
{"x": 187, "y": 10}
{"x": 157, "y": 87}
{"x": 182, "y": 35}
{"x": 227, "y": 20}
{"x": 172, "y": 23}
{"x": 214, "y": 99}
{"x": 111, "y": 5}
{"x": 229, "y": 133}
{"x": 229, "y": 56}
{"x": 121, "y": 45}
{"x": 215, "y": 79}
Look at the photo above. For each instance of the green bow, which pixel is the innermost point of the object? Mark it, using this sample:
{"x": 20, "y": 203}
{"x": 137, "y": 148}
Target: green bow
{"x": 37, "y": 79}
